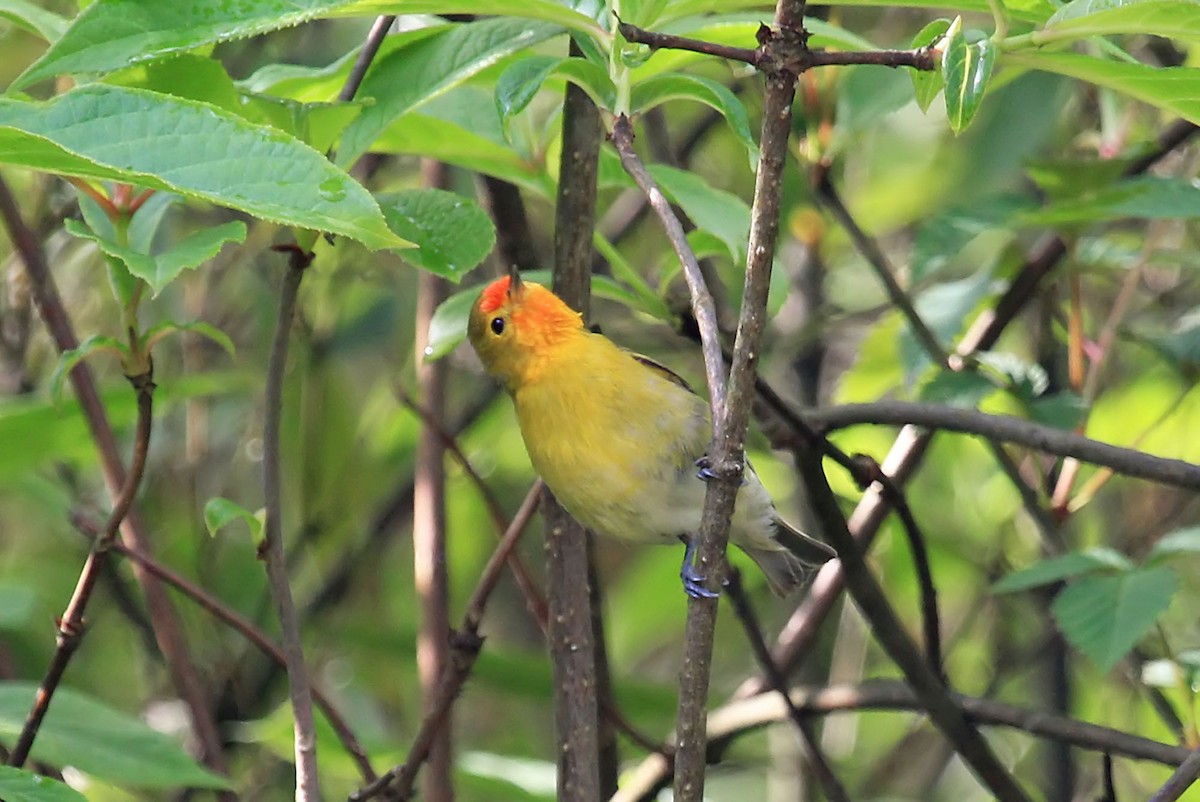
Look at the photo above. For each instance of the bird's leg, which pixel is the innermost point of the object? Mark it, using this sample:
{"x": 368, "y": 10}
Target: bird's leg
{"x": 693, "y": 580}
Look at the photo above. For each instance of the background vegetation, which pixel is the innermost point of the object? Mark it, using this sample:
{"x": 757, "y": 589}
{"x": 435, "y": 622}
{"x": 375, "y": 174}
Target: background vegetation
{"x": 1036, "y": 218}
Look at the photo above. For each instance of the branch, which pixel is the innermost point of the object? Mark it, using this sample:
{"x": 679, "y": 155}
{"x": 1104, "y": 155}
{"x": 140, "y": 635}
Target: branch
{"x": 366, "y": 55}
{"x": 769, "y": 60}
{"x": 586, "y": 758}
{"x": 166, "y": 625}
{"x": 466, "y": 642}
{"x": 71, "y": 625}
{"x": 889, "y": 631}
{"x": 243, "y": 626}
{"x": 307, "y": 785}
{"x": 830, "y": 785}
{"x": 1009, "y": 429}
{"x": 828, "y": 195}
{"x": 1187, "y": 773}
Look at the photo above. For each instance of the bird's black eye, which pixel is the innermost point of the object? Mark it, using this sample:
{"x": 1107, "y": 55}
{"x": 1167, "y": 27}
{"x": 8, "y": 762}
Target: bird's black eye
{"x": 497, "y": 325}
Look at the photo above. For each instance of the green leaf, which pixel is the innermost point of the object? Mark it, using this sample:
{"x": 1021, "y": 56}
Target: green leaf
{"x": 944, "y": 308}
{"x": 942, "y": 237}
{"x": 195, "y": 150}
{"x": 67, "y": 360}
{"x": 1027, "y": 380}
{"x": 98, "y": 740}
{"x": 520, "y": 83}
{"x": 1063, "y": 410}
{"x": 1105, "y": 616}
{"x": 1147, "y": 197}
{"x": 1173, "y": 89}
{"x": 31, "y": 17}
{"x": 714, "y": 210}
{"x": 17, "y": 785}
{"x": 16, "y": 604}
{"x": 406, "y": 78}
{"x": 452, "y": 233}
{"x": 1026, "y": 10}
{"x": 960, "y": 388}
{"x": 221, "y": 512}
{"x": 683, "y": 86}
{"x": 1173, "y": 19}
{"x": 927, "y": 83}
{"x": 1056, "y": 569}
{"x": 158, "y": 271}
{"x": 1181, "y": 541}
{"x": 157, "y": 333}
{"x": 448, "y": 326}
{"x": 966, "y": 68}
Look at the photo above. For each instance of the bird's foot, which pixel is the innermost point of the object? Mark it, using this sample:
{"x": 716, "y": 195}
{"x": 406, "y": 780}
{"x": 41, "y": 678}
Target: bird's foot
{"x": 706, "y": 471}
{"x": 694, "y": 582}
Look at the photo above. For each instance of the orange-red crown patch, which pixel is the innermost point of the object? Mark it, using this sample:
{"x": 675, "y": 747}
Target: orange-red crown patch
{"x": 494, "y": 295}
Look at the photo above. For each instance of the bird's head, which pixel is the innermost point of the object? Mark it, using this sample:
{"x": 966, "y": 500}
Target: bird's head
{"x": 517, "y": 327}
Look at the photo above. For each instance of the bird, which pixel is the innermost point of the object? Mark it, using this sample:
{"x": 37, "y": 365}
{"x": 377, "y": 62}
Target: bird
{"x": 620, "y": 439}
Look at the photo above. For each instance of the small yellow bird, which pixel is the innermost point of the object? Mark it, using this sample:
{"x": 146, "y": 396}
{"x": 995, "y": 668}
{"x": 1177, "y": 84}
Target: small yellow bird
{"x": 618, "y": 438}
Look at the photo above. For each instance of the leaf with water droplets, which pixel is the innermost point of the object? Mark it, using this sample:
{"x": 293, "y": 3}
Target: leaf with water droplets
{"x": 451, "y": 232}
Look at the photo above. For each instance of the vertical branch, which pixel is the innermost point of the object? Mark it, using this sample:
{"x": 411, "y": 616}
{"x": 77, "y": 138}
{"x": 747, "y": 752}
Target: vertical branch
{"x": 429, "y": 522}
{"x": 307, "y": 786}
{"x": 730, "y": 422}
{"x": 167, "y": 629}
{"x": 574, "y": 612}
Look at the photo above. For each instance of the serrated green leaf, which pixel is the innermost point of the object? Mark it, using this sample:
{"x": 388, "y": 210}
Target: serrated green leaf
{"x": 452, "y": 233}
{"x": 195, "y": 150}
{"x": 157, "y": 333}
{"x": 927, "y": 83}
{"x": 33, "y": 18}
{"x": 1174, "y": 89}
{"x": 966, "y": 68}
{"x": 1105, "y": 616}
{"x": 98, "y": 740}
{"x": 221, "y": 512}
{"x": 714, "y": 210}
{"x": 1056, "y": 569}
{"x": 1181, "y": 541}
{"x": 406, "y": 78}
{"x": 683, "y": 86}
{"x": 448, "y": 326}
{"x": 67, "y": 360}
{"x": 17, "y": 785}
{"x": 1173, "y": 19}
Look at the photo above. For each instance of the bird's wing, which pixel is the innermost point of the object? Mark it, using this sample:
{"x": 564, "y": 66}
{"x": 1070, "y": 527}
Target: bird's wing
{"x": 663, "y": 371}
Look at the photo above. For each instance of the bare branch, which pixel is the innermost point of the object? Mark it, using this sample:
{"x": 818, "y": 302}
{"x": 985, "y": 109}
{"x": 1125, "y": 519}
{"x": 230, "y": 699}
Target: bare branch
{"x": 1008, "y": 429}
{"x": 308, "y": 788}
{"x": 466, "y": 644}
{"x": 1183, "y": 778}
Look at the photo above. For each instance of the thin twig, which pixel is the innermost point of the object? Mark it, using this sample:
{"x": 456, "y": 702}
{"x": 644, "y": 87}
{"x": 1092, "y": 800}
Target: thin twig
{"x": 1183, "y": 778}
{"x": 795, "y": 62}
{"x": 703, "y": 307}
{"x": 1008, "y": 429}
{"x": 830, "y": 785}
{"x": 167, "y": 629}
{"x": 272, "y": 550}
{"x": 244, "y": 627}
{"x": 467, "y": 642}
{"x": 370, "y": 48}
{"x": 832, "y": 200}
{"x": 71, "y": 625}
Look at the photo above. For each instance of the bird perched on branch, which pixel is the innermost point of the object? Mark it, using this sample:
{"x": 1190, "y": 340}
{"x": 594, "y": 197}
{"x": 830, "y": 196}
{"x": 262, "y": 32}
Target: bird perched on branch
{"x": 618, "y": 438}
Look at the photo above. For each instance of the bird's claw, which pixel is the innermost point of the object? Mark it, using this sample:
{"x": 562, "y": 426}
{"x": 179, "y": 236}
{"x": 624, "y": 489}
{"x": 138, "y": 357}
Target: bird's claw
{"x": 706, "y": 472}
{"x": 694, "y": 582}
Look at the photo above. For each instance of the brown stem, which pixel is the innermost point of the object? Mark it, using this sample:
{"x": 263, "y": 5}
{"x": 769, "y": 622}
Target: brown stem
{"x": 71, "y": 625}
{"x": 429, "y": 523}
{"x": 272, "y": 550}
{"x": 1004, "y": 428}
{"x": 830, "y": 785}
{"x": 370, "y": 48}
{"x": 467, "y": 642}
{"x": 1183, "y": 778}
{"x": 243, "y": 626}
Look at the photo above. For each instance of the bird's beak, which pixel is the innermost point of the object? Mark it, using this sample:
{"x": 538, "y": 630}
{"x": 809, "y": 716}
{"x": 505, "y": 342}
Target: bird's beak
{"x": 514, "y": 284}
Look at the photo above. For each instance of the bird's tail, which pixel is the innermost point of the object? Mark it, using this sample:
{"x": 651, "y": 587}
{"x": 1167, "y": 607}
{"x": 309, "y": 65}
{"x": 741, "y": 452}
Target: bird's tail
{"x": 790, "y": 564}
